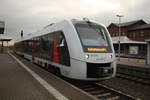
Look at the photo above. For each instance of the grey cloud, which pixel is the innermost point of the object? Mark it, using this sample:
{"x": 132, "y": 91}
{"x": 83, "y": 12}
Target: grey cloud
{"x": 32, "y": 15}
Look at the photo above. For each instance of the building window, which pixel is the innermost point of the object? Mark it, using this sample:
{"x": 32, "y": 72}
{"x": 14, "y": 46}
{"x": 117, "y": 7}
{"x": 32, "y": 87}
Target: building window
{"x": 112, "y": 34}
{"x": 133, "y": 49}
{"x": 117, "y": 34}
{"x": 146, "y": 34}
{"x": 123, "y": 33}
{"x": 134, "y": 34}
{"x": 142, "y": 33}
{"x": 130, "y": 35}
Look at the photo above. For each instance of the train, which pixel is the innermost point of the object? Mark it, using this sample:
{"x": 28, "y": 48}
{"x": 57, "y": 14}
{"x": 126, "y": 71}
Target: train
{"x": 77, "y": 49}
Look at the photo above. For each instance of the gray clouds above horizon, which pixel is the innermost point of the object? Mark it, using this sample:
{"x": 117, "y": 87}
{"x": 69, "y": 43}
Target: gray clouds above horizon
{"x": 32, "y": 15}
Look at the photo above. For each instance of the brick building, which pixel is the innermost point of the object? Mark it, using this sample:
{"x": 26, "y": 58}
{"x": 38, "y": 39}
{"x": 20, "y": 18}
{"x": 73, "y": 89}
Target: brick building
{"x": 125, "y": 27}
{"x": 133, "y": 35}
{"x": 140, "y": 33}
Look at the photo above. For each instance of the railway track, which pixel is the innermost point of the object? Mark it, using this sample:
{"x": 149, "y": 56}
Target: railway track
{"x": 99, "y": 91}
{"x": 102, "y": 92}
{"x": 133, "y": 78}
{"x": 137, "y": 74}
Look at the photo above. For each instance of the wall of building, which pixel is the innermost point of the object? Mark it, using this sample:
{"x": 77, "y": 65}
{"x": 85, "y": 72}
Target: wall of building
{"x": 128, "y": 49}
{"x": 139, "y": 35}
{"x": 136, "y": 35}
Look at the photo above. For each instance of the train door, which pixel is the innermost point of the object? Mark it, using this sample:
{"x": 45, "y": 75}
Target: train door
{"x": 58, "y": 48}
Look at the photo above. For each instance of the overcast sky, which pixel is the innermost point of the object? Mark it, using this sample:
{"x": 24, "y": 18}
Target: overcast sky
{"x": 32, "y": 15}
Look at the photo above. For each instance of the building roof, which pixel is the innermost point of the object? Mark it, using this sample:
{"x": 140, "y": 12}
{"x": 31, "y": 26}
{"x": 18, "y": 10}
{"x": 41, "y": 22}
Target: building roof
{"x": 125, "y": 40}
{"x": 146, "y": 26}
{"x": 2, "y": 24}
{"x": 126, "y": 23}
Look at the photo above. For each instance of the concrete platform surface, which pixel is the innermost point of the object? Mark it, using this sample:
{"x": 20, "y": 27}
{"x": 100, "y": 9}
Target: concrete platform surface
{"x": 133, "y": 62}
{"x": 17, "y": 84}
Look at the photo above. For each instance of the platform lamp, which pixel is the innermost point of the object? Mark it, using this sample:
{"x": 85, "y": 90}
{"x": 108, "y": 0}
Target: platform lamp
{"x": 119, "y": 16}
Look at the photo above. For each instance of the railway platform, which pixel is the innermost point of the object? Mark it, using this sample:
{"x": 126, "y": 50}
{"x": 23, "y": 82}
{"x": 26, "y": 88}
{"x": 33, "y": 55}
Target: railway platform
{"x": 133, "y": 62}
{"x": 133, "y": 70}
{"x": 22, "y": 80}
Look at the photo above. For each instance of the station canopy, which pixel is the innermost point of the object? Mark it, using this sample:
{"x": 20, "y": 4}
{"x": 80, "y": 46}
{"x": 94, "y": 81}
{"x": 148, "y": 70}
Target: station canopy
{"x": 4, "y": 37}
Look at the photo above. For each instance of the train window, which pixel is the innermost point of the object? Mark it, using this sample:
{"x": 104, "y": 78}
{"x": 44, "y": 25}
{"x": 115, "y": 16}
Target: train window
{"x": 27, "y": 46}
{"x": 92, "y": 35}
{"x": 44, "y": 47}
{"x": 43, "y": 41}
{"x": 36, "y": 47}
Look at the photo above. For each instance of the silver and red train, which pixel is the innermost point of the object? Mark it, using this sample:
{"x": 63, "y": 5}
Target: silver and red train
{"x": 77, "y": 49}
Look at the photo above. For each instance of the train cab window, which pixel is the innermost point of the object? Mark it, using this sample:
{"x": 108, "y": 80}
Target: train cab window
{"x": 94, "y": 36}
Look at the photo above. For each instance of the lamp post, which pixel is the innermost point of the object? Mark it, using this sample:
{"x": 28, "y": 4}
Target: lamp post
{"x": 119, "y": 16}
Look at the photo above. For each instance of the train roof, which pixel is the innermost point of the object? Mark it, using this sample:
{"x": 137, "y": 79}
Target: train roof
{"x": 51, "y": 26}
{"x": 43, "y": 31}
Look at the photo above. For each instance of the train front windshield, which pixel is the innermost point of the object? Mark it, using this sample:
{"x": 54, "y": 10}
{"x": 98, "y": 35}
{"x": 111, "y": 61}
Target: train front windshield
{"x": 93, "y": 38}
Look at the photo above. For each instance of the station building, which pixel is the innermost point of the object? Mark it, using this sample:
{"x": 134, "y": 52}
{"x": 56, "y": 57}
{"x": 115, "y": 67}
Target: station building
{"x": 132, "y": 38}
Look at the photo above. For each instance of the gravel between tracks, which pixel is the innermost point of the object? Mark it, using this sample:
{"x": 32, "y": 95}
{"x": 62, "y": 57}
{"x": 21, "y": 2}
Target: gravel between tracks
{"x": 137, "y": 90}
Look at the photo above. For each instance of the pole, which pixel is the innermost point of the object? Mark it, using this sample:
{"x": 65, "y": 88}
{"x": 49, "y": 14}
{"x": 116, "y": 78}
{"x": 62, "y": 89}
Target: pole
{"x": 119, "y": 16}
{"x": 2, "y": 46}
{"x": 119, "y": 37}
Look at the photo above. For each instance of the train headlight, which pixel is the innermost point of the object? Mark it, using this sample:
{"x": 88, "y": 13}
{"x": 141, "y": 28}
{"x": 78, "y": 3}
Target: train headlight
{"x": 110, "y": 56}
{"x": 87, "y": 56}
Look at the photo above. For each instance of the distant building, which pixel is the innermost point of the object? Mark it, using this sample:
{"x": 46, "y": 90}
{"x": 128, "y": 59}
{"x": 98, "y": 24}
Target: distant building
{"x": 133, "y": 35}
{"x": 2, "y": 26}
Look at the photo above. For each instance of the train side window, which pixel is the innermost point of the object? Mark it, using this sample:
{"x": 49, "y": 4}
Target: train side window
{"x": 60, "y": 39}
{"x": 44, "y": 47}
